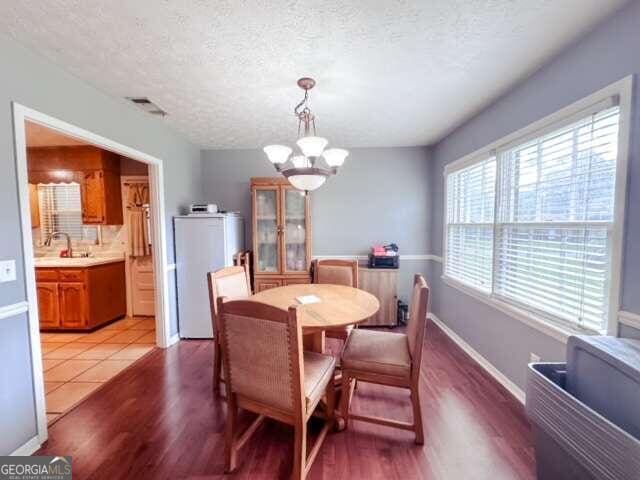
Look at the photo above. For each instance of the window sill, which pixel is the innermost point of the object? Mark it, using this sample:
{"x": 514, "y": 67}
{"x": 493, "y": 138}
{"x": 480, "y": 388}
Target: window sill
{"x": 560, "y": 333}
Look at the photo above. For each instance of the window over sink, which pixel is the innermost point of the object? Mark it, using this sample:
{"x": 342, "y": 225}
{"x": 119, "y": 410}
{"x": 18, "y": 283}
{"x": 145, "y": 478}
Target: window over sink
{"x": 61, "y": 210}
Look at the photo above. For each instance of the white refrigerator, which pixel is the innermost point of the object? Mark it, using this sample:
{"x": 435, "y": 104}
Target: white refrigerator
{"x": 203, "y": 243}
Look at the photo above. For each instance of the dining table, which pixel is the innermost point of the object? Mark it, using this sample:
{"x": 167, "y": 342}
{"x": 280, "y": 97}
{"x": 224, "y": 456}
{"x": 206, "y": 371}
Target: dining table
{"x": 335, "y": 306}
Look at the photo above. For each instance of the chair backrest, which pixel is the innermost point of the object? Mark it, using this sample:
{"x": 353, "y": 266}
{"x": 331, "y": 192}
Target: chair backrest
{"x": 337, "y": 272}
{"x": 242, "y": 258}
{"x": 230, "y": 282}
{"x": 262, "y": 353}
{"x": 417, "y": 320}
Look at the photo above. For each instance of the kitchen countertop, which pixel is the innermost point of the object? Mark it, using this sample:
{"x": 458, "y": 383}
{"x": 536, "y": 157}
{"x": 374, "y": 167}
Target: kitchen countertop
{"x": 77, "y": 262}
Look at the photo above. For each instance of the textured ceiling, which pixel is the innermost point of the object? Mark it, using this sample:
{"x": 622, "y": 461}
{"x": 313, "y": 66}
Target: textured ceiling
{"x": 389, "y": 73}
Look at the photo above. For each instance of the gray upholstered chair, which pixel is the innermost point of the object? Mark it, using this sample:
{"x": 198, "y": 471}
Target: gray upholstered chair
{"x": 268, "y": 373}
{"x": 233, "y": 283}
{"x": 336, "y": 272}
{"x": 388, "y": 358}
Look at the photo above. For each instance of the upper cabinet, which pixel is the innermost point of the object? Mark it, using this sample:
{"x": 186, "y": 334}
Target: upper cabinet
{"x": 34, "y": 205}
{"x": 96, "y": 170}
{"x": 281, "y": 233}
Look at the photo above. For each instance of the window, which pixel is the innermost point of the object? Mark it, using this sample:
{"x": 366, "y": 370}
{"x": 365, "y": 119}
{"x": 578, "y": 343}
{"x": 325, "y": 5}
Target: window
{"x": 60, "y": 209}
{"x": 470, "y": 205}
{"x": 548, "y": 246}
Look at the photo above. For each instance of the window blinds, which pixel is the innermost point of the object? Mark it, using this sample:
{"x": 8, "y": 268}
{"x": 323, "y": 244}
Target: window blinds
{"x": 532, "y": 225}
{"x": 60, "y": 209}
{"x": 554, "y": 221}
{"x": 470, "y": 217}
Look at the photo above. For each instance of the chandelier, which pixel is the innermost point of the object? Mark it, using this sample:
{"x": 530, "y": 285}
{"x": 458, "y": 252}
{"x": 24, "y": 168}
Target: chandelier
{"x": 304, "y": 171}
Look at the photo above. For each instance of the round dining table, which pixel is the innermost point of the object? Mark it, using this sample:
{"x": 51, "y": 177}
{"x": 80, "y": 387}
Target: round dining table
{"x": 338, "y": 306}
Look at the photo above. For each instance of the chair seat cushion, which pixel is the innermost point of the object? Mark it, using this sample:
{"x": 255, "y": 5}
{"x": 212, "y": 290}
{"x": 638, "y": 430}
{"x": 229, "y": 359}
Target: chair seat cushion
{"x": 318, "y": 372}
{"x": 385, "y": 353}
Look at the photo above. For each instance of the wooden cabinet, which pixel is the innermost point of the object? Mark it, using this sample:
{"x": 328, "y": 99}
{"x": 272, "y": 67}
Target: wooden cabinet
{"x": 96, "y": 170}
{"x": 72, "y": 304}
{"x": 34, "y": 204}
{"x": 99, "y": 204}
{"x": 383, "y": 284}
{"x": 80, "y": 298}
{"x": 262, "y": 284}
{"x": 93, "y": 198}
{"x": 48, "y": 308}
{"x": 281, "y": 234}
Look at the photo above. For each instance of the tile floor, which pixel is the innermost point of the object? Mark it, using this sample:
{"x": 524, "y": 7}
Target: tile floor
{"x": 76, "y": 364}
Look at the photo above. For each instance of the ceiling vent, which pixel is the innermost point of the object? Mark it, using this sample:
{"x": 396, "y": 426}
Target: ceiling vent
{"x": 147, "y": 105}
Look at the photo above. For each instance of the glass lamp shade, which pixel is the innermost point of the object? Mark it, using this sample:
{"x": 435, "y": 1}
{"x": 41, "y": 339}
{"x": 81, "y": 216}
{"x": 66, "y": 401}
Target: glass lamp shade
{"x": 335, "y": 156}
{"x": 277, "y": 153}
{"x": 307, "y": 182}
{"x": 300, "y": 161}
{"x": 312, "y": 146}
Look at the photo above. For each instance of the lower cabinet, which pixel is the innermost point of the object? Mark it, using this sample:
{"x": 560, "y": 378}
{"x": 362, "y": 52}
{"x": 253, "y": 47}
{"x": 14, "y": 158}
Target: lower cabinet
{"x": 265, "y": 283}
{"x": 48, "y": 306}
{"x": 80, "y": 298}
{"x": 262, "y": 284}
{"x": 73, "y": 301}
{"x": 383, "y": 284}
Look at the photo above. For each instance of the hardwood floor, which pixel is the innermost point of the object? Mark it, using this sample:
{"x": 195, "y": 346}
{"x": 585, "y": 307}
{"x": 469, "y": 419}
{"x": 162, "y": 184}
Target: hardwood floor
{"x": 158, "y": 420}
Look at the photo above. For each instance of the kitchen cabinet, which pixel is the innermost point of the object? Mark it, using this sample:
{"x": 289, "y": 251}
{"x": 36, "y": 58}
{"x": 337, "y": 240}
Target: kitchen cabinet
{"x": 99, "y": 204}
{"x": 80, "y": 298}
{"x": 48, "y": 308}
{"x": 93, "y": 204}
{"x": 34, "y": 204}
{"x": 72, "y": 304}
{"x": 281, "y": 234}
{"x": 96, "y": 170}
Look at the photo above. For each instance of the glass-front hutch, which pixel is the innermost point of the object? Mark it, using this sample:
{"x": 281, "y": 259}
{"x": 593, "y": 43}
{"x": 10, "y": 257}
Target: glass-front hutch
{"x": 281, "y": 234}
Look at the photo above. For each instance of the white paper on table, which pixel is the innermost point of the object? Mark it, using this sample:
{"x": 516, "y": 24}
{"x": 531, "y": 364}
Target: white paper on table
{"x": 307, "y": 299}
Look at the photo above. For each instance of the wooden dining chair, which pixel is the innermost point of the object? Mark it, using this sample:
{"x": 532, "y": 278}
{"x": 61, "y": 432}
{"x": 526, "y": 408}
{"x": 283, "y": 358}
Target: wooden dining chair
{"x": 231, "y": 282}
{"x": 243, "y": 258}
{"x": 336, "y": 272}
{"x": 268, "y": 373}
{"x": 387, "y": 358}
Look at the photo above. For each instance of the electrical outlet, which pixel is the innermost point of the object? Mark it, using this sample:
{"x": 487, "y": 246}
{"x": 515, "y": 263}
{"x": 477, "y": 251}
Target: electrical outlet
{"x": 533, "y": 358}
{"x": 7, "y": 271}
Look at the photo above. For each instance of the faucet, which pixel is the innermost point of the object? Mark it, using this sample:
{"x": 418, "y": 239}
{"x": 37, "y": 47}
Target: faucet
{"x": 47, "y": 242}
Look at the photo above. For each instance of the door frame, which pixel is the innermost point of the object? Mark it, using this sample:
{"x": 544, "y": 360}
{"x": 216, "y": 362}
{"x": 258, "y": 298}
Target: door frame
{"x": 21, "y": 114}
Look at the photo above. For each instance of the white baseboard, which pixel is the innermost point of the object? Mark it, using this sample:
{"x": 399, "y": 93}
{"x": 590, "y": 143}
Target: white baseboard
{"x": 28, "y": 448}
{"x": 173, "y": 339}
{"x": 511, "y": 387}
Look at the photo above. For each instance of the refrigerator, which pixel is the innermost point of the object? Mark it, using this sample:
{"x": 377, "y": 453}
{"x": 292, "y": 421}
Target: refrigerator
{"x": 203, "y": 243}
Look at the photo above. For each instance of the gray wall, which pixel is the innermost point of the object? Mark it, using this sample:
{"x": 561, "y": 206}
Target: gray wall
{"x": 607, "y": 54}
{"x": 32, "y": 81}
{"x": 380, "y": 195}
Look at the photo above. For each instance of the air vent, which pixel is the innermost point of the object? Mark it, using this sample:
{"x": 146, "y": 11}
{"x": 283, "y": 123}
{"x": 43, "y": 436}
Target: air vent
{"x": 147, "y": 105}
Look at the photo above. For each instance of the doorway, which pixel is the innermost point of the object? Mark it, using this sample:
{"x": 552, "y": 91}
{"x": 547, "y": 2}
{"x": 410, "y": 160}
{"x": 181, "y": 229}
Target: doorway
{"x": 160, "y": 326}
{"x": 139, "y": 268}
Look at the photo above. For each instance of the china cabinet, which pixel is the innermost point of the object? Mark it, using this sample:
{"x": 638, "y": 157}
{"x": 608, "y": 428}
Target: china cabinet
{"x": 281, "y": 234}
